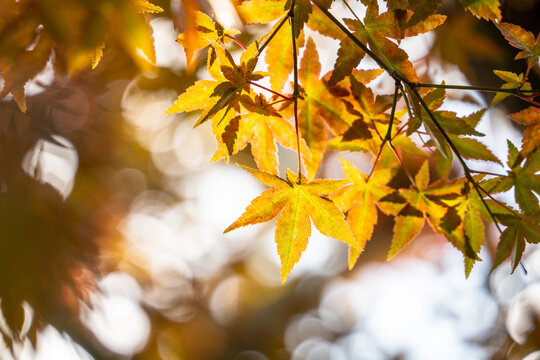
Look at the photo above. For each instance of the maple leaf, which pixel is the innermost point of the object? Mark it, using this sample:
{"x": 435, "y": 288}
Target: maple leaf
{"x": 262, "y": 126}
{"x": 29, "y": 63}
{"x": 445, "y": 207}
{"x": 144, "y": 6}
{"x": 513, "y": 81}
{"x": 136, "y": 34}
{"x": 410, "y": 220}
{"x": 348, "y": 56}
{"x": 359, "y": 202}
{"x": 422, "y": 9}
{"x": 473, "y": 149}
{"x": 486, "y": 9}
{"x": 319, "y": 22}
{"x": 523, "y": 179}
{"x": 319, "y": 103}
{"x": 230, "y": 81}
{"x": 453, "y": 126}
{"x": 265, "y": 11}
{"x": 295, "y": 203}
{"x": 463, "y": 222}
{"x": 377, "y": 28}
{"x": 520, "y": 229}
{"x": 529, "y": 117}
{"x": 261, "y": 11}
{"x": 280, "y": 63}
{"x": 202, "y": 33}
{"x": 521, "y": 39}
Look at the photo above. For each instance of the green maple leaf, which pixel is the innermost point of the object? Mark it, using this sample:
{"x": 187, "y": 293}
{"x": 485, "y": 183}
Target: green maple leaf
{"x": 296, "y": 203}
{"x": 523, "y": 179}
{"x": 513, "y": 81}
{"x": 520, "y": 229}
{"x": 463, "y": 223}
{"x": 453, "y": 126}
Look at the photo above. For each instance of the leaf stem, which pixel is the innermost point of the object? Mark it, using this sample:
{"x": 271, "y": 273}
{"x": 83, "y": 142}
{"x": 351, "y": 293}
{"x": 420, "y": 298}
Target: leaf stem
{"x": 501, "y": 204}
{"x": 532, "y": 96}
{"x": 296, "y": 91}
{"x": 403, "y": 166}
{"x": 350, "y": 9}
{"x": 486, "y": 173}
{"x": 277, "y": 102}
{"x": 236, "y": 41}
{"x": 388, "y": 139}
{"x": 388, "y": 136}
{"x": 514, "y": 91}
{"x": 270, "y": 90}
{"x": 529, "y": 100}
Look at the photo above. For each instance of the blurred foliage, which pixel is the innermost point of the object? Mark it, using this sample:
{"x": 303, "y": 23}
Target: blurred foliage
{"x": 58, "y": 241}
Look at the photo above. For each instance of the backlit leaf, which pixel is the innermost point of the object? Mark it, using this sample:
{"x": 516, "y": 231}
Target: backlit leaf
{"x": 473, "y": 149}
{"x": 520, "y": 38}
{"x": 261, "y": 11}
{"x": 512, "y": 241}
{"x": 144, "y": 6}
{"x": 486, "y": 9}
{"x": 359, "y": 201}
{"x": 296, "y": 203}
{"x": 529, "y": 117}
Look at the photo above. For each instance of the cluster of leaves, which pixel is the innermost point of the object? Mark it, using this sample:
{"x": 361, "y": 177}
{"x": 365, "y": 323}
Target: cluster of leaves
{"x": 31, "y": 31}
{"x": 338, "y": 110}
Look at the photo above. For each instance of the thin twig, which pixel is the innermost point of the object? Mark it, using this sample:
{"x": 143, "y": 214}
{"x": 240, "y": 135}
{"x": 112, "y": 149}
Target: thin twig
{"x": 403, "y": 166}
{"x": 529, "y": 100}
{"x": 464, "y": 165}
{"x": 351, "y": 10}
{"x": 277, "y": 102}
{"x": 487, "y": 173}
{"x": 514, "y": 91}
{"x": 296, "y": 91}
{"x": 498, "y": 202}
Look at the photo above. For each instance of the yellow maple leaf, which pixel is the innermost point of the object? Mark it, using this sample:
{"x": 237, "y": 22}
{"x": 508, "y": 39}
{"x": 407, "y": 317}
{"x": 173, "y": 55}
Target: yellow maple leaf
{"x": 262, "y": 126}
{"x": 296, "y": 203}
{"x": 359, "y": 200}
{"x": 222, "y": 94}
{"x": 144, "y": 6}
